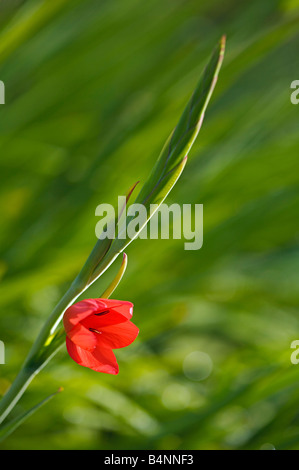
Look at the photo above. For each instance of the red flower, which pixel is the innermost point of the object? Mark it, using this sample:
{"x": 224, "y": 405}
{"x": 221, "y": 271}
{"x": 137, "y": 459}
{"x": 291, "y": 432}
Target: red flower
{"x": 96, "y": 326}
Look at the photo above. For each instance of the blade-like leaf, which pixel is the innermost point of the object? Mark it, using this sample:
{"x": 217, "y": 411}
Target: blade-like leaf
{"x": 157, "y": 196}
{"x": 109, "y": 291}
{"x": 10, "y": 427}
{"x": 183, "y": 136}
{"x": 172, "y": 159}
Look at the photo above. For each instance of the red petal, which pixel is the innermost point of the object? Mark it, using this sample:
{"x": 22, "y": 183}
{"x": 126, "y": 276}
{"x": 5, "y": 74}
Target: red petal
{"x": 98, "y": 321}
{"x": 100, "y": 360}
{"x": 117, "y": 336}
{"x": 81, "y": 310}
{"x": 120, "y": 306}
{"x": 82, "y": 337}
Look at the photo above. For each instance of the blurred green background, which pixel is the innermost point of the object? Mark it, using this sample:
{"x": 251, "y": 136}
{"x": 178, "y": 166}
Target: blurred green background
{"x": 93, "y": 89}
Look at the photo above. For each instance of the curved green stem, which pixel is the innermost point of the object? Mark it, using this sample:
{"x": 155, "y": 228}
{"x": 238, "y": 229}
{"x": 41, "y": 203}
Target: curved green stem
{"x": 163, "y": 177}
{"x": 40, "y": 353}
{"x": 47, "y": 343}
{"x": 20, "y": 384}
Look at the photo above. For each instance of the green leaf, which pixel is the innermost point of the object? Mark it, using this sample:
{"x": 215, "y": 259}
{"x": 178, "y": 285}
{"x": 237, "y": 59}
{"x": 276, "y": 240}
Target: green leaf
{"x": 172, "y": 159}
{"x": 158, "y": 195}
{"x": 10, "y": 427}
{"x": 183, "y": 136}
{"x": 109, "y": 291}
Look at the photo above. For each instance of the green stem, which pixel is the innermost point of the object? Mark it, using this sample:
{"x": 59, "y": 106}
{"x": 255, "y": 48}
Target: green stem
{"x": 163, "y": 177}
{"x": 39, "y": 354}
{"x": 50, "y": 325}
{"x": 20, "y": 384}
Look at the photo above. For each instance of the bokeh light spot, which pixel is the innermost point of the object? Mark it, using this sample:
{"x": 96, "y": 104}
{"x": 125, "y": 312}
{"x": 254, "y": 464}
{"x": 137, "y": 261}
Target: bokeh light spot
{"x": 197, "y": 365}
